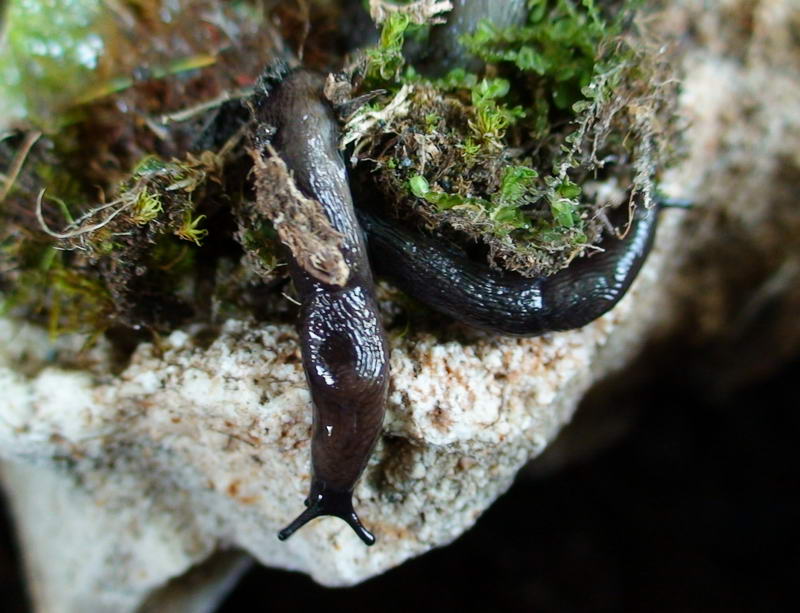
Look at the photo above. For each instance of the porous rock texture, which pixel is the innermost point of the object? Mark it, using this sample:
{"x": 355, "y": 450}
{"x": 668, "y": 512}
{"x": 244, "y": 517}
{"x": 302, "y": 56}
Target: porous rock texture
{"x": 122, "y": 481}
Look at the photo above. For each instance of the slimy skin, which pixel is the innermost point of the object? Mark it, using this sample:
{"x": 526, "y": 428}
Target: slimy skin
{"x": 344, "y": 348}
{"x": 445, "y": 279}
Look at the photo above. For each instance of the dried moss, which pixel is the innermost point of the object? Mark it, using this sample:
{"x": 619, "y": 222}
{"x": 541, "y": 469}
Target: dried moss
{"x": 299, "y": 221}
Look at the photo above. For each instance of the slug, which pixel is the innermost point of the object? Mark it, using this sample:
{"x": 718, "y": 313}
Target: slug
{"x": 343, "y": 344}
{"x": 444, "y": 278}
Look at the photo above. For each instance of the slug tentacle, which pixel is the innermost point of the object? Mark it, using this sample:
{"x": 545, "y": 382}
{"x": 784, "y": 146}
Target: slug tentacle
{"x": 323, "y": 502}
{"x": 343, "y": 344}
{"x": 445, "y": 279}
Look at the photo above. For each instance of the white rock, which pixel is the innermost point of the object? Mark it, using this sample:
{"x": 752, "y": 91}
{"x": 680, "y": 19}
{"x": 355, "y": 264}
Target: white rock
{"x": 142, "y": 475}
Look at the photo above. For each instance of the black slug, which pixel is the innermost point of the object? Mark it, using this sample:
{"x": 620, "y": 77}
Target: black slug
{"x": 445, "y": 279}
{"x": 442, "y": 277}
{"x": 344, "y": 348}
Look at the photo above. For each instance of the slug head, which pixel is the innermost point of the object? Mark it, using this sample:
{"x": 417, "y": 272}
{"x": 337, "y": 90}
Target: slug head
{"x": 325, "y": 501}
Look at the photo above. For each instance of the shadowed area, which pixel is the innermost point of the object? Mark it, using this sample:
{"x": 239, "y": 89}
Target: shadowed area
{"x": 690, "y": 511}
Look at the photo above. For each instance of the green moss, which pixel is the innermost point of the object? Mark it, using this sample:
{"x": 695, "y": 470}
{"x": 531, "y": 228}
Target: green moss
{"x": 563, "y": 202}
{"x": 506, "y": 206}
{"x": 501, "y": 156}
{"x": 561, "y": 43}
{"x": 189, "y": 229}
{"x": 146, "y": 207}
{"x": 421, "y": 189}
{"x": 386, "y": 59}
{"x": 491, "y": 118}
{"x": 432, "y": 121}
{"x": 515, "y": 191}
{"x": 51, "y": 290}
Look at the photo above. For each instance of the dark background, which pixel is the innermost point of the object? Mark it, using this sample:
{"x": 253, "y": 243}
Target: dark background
{"x": 694, "y": 508}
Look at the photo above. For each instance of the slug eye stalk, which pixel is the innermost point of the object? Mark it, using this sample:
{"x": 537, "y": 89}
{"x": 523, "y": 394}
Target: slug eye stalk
{"x": 324, "y": 501}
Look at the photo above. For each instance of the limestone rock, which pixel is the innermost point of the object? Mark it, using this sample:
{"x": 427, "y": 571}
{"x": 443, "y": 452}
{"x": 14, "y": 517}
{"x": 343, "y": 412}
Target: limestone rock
{"x": 190, "y": 448}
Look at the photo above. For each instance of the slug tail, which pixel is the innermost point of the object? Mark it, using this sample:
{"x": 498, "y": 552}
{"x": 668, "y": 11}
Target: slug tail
{"x": 323, "y": 501}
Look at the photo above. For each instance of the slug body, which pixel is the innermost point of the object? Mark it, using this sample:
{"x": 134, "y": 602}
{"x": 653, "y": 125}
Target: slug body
{"x": 445, "y": 279}
{"x": 344, "y": 348}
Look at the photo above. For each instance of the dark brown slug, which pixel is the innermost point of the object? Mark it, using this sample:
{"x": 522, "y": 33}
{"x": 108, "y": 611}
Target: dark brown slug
{"x": 343, "y": 344}
{"x": 344, "y": 348}
{"x": 445, "y": 279}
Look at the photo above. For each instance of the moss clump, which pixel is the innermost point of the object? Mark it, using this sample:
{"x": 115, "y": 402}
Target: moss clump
{"x": 509, "y": 156}
{"x": 113, "y": 262}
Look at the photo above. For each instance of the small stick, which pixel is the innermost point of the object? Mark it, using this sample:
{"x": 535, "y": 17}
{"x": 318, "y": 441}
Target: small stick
{"x": 19, "y": 161}
{"x": 193, "y": 111}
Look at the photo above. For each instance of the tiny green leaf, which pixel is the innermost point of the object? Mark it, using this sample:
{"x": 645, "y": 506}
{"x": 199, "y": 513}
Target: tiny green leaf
{"x": 569, "y": 190}
{"x": 562, "y": 212}
{"x": 515, "y": 182}
{"x": 419, "y": 186}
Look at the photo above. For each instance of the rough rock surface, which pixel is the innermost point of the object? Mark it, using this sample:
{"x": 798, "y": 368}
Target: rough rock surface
{"x": 190, "y": 449}
{"x": 122, "y": 481}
